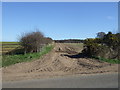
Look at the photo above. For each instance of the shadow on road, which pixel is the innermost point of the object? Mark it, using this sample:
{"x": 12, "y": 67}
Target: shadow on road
{"x": 79, "y": 55}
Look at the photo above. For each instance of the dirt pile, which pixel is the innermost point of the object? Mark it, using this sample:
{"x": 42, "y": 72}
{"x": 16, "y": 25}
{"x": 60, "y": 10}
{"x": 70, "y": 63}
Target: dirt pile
{"x": 58, "y": 62}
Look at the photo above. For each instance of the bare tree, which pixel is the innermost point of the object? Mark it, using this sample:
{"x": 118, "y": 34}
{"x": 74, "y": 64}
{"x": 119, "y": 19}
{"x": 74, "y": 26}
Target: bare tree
{"x": 32, "y": 42}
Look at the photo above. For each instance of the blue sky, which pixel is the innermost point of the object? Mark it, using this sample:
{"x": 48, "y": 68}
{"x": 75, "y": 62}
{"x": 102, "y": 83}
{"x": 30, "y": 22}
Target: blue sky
{"x": 60, "y": 20}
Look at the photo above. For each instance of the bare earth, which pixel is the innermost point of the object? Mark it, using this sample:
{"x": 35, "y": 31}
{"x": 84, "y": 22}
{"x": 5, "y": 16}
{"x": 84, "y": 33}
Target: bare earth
{"x": 62, "y": 60}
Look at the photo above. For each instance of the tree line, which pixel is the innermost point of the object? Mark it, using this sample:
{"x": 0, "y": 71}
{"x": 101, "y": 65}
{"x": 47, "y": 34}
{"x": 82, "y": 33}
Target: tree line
{"x": 69, "y": 41}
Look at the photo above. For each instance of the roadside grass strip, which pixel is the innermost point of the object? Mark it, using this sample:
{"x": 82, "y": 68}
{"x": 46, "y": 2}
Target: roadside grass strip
{"x": 112, "y": 61}
{"x": 13, "y": 59}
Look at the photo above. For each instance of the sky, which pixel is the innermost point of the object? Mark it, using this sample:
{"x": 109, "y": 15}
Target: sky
{"x": 58, "y": 20}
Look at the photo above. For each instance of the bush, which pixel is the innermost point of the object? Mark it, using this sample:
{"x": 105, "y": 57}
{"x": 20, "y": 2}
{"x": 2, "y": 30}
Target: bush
{"x": 106, "y": 47}
{"x": 100, "y": 34}
{"x": 32, "y": 42}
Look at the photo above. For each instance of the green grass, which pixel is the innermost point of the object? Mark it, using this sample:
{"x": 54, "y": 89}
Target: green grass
{"x": 13, "y": 59}
{"x": 112, "y": 61}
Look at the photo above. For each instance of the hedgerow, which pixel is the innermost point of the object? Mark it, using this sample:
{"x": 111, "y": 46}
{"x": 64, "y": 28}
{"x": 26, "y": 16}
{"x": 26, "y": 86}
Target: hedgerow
{"x": 106, "y": 47}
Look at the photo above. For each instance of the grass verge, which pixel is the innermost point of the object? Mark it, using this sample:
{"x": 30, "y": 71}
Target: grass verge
{"x": 13, "y": 59}
{"x": 112, "y": 61}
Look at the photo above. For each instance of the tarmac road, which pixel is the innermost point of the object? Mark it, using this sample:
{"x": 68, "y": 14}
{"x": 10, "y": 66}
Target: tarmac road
{"x": 77, "y": 81}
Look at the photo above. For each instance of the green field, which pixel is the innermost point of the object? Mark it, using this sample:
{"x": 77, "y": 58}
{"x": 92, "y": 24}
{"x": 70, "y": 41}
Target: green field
{"x": 75, "y": 44}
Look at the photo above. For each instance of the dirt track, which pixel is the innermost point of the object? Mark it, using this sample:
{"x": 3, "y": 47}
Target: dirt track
{"x": 62, "y": 60}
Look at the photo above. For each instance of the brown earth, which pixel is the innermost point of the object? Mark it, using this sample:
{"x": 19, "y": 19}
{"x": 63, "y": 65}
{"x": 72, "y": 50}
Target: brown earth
{"x": 62, "y": 60}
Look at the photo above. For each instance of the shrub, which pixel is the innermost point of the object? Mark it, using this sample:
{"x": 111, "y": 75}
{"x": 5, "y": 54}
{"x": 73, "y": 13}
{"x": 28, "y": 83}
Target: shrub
{"x": 32, "y": 42}
{"x": 106, "y": 47}
{"x": 100, "y": 34}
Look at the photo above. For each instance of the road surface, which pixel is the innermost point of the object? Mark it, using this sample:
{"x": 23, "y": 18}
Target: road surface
{"x": 79, "y": 81}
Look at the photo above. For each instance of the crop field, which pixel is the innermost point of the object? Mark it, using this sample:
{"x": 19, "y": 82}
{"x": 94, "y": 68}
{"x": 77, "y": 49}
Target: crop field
{"x": 8, "y": 46}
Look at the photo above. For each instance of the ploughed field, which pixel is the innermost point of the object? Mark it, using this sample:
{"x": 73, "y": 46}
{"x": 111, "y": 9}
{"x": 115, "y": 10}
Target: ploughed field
{"x": 8, "y": 46}
{"x": 63, "y": 59}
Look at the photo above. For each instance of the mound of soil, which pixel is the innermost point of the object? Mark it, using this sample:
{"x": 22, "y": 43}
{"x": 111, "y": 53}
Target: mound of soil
{"x": 56, "y": 63}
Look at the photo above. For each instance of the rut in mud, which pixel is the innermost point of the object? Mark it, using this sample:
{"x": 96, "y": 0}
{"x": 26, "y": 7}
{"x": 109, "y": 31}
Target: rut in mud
{"x": 64, "y": 59}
